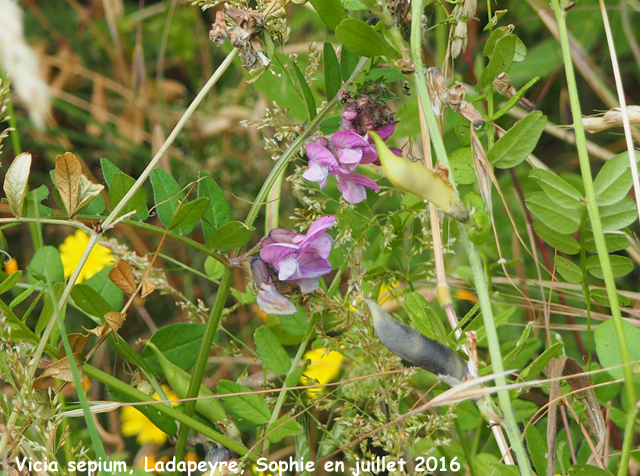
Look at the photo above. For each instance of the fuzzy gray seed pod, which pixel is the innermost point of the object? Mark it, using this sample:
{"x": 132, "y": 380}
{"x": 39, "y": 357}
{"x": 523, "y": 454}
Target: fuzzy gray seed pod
{"x": 417, "y": 348}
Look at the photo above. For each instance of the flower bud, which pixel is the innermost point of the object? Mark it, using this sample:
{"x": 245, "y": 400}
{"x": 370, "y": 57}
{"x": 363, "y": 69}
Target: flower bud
{"x": 420, "y": 181}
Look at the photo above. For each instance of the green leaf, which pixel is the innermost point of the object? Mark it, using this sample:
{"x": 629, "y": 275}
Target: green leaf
{"x": 537, "y": 449}
{"x": 281, "y": 429}
{"x": 348, "y": 63}
{"x": 479, "y": 232}
{"x": 505, "y": 469}
{"x": 306, "y": 92}
{"x": 586, "y": 470}
{"x": 166, "y": 424}
{"x": 332, "y": 78}
{"x": 167, "y": 196}
{"x": 120, "y": 185}
{"x": 353, "y": 5}
{"x": 514, "y": 100}
{"x": 271, "y": 352}
{"x": 90, "y": 301}
{"x": 189, "y": 213}
{"x": 618, "y": 216}
{"x": 10, "y": 281}
{"x": 32, "y": 207}
{"x": 496, "y": 34}
{"x": 614, "y": 180}
{"x": 568, "y": 270}
{"x": 331, "y": 12}
{"x": 248, "y": 406}
{"x": 295, "y": 324}
{"x": 500, "y": 61}
{"x": 87, "y": 193}
{"x": 48, "y": 307}
{"x": 47, "y": 265}
{"x": 620, "y": 266}
{"x": 232, "y": 235}
{"x": 462, "y": 166}
{"x": 219, "y": 211}
{"x": 602, "y": 297}
{"x": 615, "y": 241}
{"x": 101, "y": 283}
{"x": 563, "y": 243}
{"x": 16, "y": 181}
{"x": 558, "y": 190}
{"x": 534, "y": 368}
{"x": 562, "y": 220}
{"x": 178, "y": 342}
{"x": 608, "y": 349}
{"x": 109, "y": 169}
{"x": 364, "y": 40}
{"x": 518, "y": 142}
{"x": 424, "y": 317}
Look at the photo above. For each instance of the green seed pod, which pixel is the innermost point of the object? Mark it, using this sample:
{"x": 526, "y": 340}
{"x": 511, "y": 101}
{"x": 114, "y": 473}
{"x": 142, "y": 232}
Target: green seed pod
{"x": 179, "y": 380}
{"x": 420, "y": 181}
{"x": 417, "y": 348}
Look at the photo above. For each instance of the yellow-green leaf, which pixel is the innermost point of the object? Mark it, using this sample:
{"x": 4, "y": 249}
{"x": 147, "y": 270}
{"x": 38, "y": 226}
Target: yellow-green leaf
{"x": 15, "y": 182}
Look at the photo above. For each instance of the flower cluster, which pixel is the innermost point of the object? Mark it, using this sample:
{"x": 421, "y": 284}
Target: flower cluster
{"x": 287, "y": 256}
{"x": 351, "y": 146}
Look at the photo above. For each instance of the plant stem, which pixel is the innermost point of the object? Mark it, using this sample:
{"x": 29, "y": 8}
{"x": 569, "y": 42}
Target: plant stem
{"x": 598, "y": 235}
{"x": 203, "y": 354}
{"x": 167, "y": 410}
{"x": 290, "y": 153}
{"x": 474, "y": 258}
{"x": 294, "y": 366}
{"x": 172, "y": 137}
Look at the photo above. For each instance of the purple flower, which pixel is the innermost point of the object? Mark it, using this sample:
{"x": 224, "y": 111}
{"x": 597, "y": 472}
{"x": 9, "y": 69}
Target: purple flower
{"x": 297, "y": 257}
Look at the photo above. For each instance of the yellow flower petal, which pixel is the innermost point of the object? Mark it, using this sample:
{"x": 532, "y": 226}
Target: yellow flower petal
{"x": 324, "y": 367}
{"x": 71, "y": 251}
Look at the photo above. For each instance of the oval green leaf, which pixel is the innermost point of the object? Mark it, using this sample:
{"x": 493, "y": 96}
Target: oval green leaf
{"x": 608, "y": 348}
{"x": 563, "y": 243}
{"x": 232, "y": 235}
{"x": 518, "y": 142}
{"x": 271, "y": 352}
{"x": 563, "y": 220}
{"x": 364, "y": 40}
{"x": 620, "y": 266}
{"x": 614, "y": 180}
{"x": 560, "y": 191}
{"x": 189, "y": 213}
{"x": 568, "y": 270}
{"x": 248, "y": 406}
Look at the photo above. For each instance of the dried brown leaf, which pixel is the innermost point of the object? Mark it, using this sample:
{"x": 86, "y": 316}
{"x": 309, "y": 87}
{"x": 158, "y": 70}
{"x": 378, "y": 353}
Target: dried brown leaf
{"x": 147, "y": 288}
{"x": 484, "y": 171}
{"x": 61, "y": 369}
{"x": 77, "y": 341}
{"x": 122, "y": 276}
{"x": 67, "y": 176}
{"x": 114, "y": 320}
{"x": 98, "y": 331}
{"x": 87, "y": 191}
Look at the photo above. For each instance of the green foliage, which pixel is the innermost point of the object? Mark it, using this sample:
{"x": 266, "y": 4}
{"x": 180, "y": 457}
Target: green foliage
{"x": 518, "y": 142}
{"x": 247, "y": 406}
{"x": 364, "y": 40}
{"x": 178, "y": 343}
{"x": 231, "y": 235}
{"x": 120, "y": 185}
{"x": 271, "y": 352}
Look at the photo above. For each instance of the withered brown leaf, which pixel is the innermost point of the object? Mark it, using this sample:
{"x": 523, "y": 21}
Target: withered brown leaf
{"x": 147, "y": 288}
{"x": 122, "y": 276}
{"x": 67, "y": 176}
{"x": 114, "y": 320}
{"x": 77, "y": 342}
{"x": 61, "y": 369}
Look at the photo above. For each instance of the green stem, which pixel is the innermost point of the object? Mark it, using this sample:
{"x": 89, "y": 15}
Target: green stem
{"x": 291, "y": 152}
{"x": 203, "y": 355}
{"x": 586, "y": 292}
{"x": 598, "y": 235}
{"x": 294, "y": 366}
{"x": 172, "y": 137}
{"x": 510, "y": 424}
{"x": 167, "y": 410}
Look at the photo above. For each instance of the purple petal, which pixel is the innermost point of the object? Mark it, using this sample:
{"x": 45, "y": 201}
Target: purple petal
{"x": 348, "y": 140}
{"x": 260, "y": 272}
{"x": 311, "y": 265}
{"x": 288, "y": 268}
{"x": 353, "y": 186}
{"x": 270, "y": 301}
{"x": 396, "y": 151}
{"x": 318, "y": 227}
{"x": 317, "y": 173}
{"x": 349, "y": 156}
{"x": 369, "y": 155}
{"x": 281, "y": 235}
{"x": 307, "y": 285}
{"x": 274, "y": 254}
{"x": 386, "y": 130}
{"x": 320, "y": 155}
{"x": 321, "y": 245}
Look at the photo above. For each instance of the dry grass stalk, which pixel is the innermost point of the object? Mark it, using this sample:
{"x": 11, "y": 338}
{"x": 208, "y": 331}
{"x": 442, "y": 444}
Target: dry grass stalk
{"x": 610, "y": 119}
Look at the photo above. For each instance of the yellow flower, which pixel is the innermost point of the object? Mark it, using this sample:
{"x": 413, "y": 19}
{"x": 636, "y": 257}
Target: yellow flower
{"x": 71, "y": 251}
{"x": 135, "y": 423}
{"x": 324, "y": 367}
